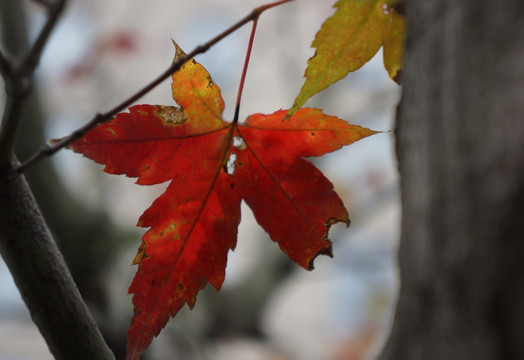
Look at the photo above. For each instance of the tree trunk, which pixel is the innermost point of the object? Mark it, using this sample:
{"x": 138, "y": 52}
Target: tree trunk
{"x": 460, "y": 147}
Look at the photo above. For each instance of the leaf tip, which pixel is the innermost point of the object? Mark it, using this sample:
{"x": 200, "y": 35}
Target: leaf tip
{"x": 290, "y": 112}
{"x": 332, "y": 221}
{"x": 179, "y": 53}
{"x": 132, "y": 353}
{"x": 398, "y": 77}
{"x": 365, "y": 132}
{"x": 327, "y": 250}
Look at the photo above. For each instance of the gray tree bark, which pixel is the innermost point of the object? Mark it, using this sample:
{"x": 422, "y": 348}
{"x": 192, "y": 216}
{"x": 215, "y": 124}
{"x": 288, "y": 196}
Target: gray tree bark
{"x": 42, "y": 277}
{"x": 460, "y": 147}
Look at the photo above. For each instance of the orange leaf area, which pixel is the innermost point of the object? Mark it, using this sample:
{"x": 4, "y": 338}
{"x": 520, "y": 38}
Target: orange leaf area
{"x": 212, "y": 165}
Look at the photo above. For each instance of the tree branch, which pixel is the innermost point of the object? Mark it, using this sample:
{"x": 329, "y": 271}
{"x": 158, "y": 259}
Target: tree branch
{"x": 42, "y": 277}
{"x": 26, "y": 245}
{"x": 32, "y": 59}
{"x": 52, "y": 148}
{"x": 18, "y": 81}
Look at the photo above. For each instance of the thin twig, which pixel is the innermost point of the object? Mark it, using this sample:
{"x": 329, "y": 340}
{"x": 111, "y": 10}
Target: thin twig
{"x": 18, "y": 81}
{"x": 50, "y": 149}
{"x": 32, "y": 59}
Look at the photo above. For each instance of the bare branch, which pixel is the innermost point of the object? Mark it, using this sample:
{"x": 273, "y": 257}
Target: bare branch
{"x": 32, "y": 59}
{"x": 18, "y": 81}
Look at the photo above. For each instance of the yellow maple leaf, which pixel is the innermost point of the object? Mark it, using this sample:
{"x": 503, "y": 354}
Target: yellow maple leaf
{"x": 350, "y": 38}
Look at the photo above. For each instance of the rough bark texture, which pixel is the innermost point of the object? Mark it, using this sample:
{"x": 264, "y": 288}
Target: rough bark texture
{"x": 460, "y": 146}
{"x": 42, "y": 277}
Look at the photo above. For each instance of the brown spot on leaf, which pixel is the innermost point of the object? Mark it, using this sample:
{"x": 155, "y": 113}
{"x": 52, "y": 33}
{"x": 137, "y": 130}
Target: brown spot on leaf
{"x": 168, "y": 230}
{"x": 171, "y": 115}
{"x": 141, "y": 254}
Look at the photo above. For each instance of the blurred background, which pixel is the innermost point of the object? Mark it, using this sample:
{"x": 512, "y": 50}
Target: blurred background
{"x": 269, "y": 308}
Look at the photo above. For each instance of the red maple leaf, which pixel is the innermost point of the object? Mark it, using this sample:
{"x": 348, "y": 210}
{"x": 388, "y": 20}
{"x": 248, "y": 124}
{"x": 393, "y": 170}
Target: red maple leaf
{"x": 212, "y": 166}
